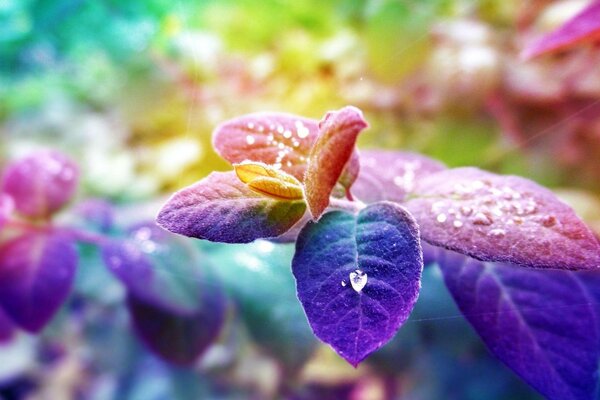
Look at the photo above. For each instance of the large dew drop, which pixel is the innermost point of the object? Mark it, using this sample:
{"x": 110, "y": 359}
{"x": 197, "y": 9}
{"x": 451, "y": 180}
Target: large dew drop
{"x": 358, "y": 279}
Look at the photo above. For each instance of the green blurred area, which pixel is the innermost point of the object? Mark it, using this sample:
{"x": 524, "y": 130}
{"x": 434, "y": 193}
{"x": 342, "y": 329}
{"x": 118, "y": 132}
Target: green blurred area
{"x": 133, "y": 89}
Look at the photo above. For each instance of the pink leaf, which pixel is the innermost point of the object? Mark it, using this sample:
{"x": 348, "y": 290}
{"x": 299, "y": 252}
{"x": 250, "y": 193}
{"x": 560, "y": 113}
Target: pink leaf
{"x": 330, "y": 154}
{"x": 584, "y": 27}
{"x": 41, "y": 183}
{"x": 502, "y": 218}
{"x": 279, "y": 139}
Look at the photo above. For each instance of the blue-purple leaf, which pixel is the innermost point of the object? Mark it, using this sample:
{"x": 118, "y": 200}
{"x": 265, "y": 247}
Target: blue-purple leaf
{"x": 36, "y": 275}
{"x": 358, "y": 276}
{"x": 7, "y": 327}
{"x": 177, "y": 307}
{"x": 542, "y": 324}
{"x": 502, "y": 218}
{"x": 391, "y": 175}
{"x": 221, "y": 208}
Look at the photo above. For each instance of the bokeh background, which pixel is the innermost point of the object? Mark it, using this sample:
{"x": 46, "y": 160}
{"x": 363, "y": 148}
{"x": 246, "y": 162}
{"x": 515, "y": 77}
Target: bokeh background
{"x": 131, "y": 90}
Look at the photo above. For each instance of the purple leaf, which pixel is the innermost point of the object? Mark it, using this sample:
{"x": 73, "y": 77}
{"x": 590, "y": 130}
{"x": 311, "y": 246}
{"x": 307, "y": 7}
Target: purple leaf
{"x": 6, "y": 208}
{"x": 179, "y": 338}
{"x": 358, "y": 276}
{"x": 542, "y": 324}
{"x": 391, "y": 175}
{"x": 584, "y": 27}
{"x": 177, "y": 307}
{"x": 502, "y": 218}
{"x": 278, "y": 139}
{"x": 221, "y": 208}
{"x": 36, "y": 275}
{"x": 329, "y": 156}
{"x": 7, "y": 327}
{"x": 41, "y": 183}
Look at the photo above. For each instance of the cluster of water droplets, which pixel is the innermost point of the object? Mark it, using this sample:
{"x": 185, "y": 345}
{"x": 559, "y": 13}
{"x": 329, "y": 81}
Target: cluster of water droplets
{"x": 285, "y": 140}
{"x": 358, "y": 280}
{"x": 484, "y": 204}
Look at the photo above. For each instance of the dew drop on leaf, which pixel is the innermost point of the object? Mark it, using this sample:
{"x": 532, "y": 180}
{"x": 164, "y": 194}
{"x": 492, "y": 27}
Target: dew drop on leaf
{"x": 358, "y": 279}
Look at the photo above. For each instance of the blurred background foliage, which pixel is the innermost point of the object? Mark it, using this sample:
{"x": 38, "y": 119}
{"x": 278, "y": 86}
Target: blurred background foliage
{"x": 132, "y": 90}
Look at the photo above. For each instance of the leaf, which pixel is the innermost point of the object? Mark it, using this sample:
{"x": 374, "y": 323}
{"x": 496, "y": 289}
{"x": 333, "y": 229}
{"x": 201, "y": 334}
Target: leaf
{"x": 358, "y": 276}
{"x": 41, "y": 183}
{"x": 221, "y": 208}
{"x": 6, "y": 207}
{"x": 258, "y": 278}
{"x": 177, "y": 338}
{"x": 391, "y": 175}
{"x": 277, "y": 139}
{"x": 330, "y": 154}
{"x": 178, "y": 309}
{"x": 37, "y": 270}
{"x": 584, "y": 27}
{"x": 542, "y": 324}
{"x": 268, "y": 181}
{"x": 502, "y": 218}
{"x": 7, "y": 328}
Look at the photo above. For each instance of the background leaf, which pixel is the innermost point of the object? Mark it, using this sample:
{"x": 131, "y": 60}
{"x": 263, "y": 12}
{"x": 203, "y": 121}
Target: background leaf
{"x": 358, "y": 276}
{"x": 502, "y": 218}
{"x": 542, "y": 324}
{"x": 37, "y": 269}
{"x": 177, "y": 307}
{"x": 41, "y": 183}
{"x": 584, "y": 27}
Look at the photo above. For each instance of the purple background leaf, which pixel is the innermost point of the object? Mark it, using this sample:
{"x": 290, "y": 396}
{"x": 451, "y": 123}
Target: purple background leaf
{"x": 502, "y": 218}
{"x": 329, "y": 156}
{"x": 391, "y": 175}
{"x": 221, "y": 208}
{"x": 380, "y": 249}
{"x": 7, "y": 327}
{"x": 542, "y": 324}
{"x": 41, "y": 183}
{"x": 179, "y": 338}
{"x": 36, "y": 275}
{"x": 273, "y": 138}
{"x": 177, "y": 307}
{"x": 584, "y": 27}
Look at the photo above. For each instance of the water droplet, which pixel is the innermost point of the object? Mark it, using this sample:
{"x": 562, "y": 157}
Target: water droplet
{"x": 441, "y": 218}
{"x": 482, "y": 219}
{"x": 344, "y": 283}
{"x": 281, "y": 145}
{"x": 287, "y": 134}
{"x": 261, "y": 128}
{"x": 302, "y": 131}
{"x": 497, "y": 233}
{"x": 457, "y": 224}
{"x": 250, "y": 125}
{"x": 250, "y": 139}
{"x": 358, "y": 279}
{"x": 280, "y": 129}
